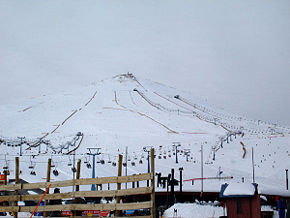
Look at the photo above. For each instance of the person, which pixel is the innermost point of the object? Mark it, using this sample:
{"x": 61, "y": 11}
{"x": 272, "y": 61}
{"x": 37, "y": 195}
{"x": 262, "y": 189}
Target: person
{"x": 55, "y": 202}
{"x": 5, "y": 203}
{"x": 280, "y": 207}
{"x": 288, "y": 210}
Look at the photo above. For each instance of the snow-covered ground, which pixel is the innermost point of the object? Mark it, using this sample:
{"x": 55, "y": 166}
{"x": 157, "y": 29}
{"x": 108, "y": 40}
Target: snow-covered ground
{"x": 200, "y": 211}
{"x": 125, "y": 111}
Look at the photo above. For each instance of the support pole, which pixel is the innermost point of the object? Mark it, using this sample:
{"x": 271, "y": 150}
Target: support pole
{"x": 93, "y": 187}
{"x": 253, "y": 165}
{"x": 180, "y": 179}
{"x": 16, "y": 182}
{"x": 153, "y": 212}
{"x": 201, "y": 162}
{"x": 47, "y": 180}
{"x": 172, "y": 186}
{"x": 118, "y": 212}
{"x": 287, "y": 179}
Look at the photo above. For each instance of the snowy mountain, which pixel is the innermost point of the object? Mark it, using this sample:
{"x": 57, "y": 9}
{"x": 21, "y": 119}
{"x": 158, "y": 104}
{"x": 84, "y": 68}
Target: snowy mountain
{"x": 125, "y": 111}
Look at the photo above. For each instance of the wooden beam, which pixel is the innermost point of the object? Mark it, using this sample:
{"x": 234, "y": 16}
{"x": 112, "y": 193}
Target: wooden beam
{"x": 16, "y": 182}
{"x": 110, "y": 193}
{"x": 118, "y": 212}
{"x": 124, "y": 206}
{"x": 152, "y": 155}
{"x": 47, "y": 180}
{"x": 76, "y": 200}
{"x": 100, "y": 180}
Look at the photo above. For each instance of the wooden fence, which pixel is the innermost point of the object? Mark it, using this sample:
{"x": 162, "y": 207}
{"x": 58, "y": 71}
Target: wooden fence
{"x": 145, "y": 195}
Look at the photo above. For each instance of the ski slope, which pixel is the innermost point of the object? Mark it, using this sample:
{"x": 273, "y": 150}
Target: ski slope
{"x": 125, "y": 111}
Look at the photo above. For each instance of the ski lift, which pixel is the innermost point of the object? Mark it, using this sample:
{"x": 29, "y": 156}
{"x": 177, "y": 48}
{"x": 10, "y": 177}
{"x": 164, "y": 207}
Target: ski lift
{"x": 73, "y": 169}
{"x": 32, "y": 165}
{"x": 114, "y": 164}
{"x": 159, "y": 157}
{"x": 169, "y": 155}
{"x": 70, "y": 162}
{"x": 89, "y": 166}
{"x": 164, "y": 157}
{"x": 133, "y": 163}
{"x": 55, "y": 172}
{"x": 124, "y": 164}
{"x": 33, "y": 173}
{"x": 140, "y": 161}
{"x": 109, "y": 161}
{"x": 102, "y": 161}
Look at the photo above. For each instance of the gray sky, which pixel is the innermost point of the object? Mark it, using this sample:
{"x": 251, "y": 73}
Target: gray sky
{"x": 235, "y": 54}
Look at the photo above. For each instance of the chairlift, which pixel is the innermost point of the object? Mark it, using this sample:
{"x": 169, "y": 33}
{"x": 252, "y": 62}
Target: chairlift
{"x": 31, "y": 166}
{"x": 109, "y": 161}
{"x": 169, "y": 155}
{"x": 124, "y": 164}
{"x": 133, "y": 163}
{"x": 140, "y": 161}
{"x": 164, "y": 157}
{"x": 89, "y": 166}
{"x": 159, "y": 157}
{"x": 55, "y": 172}
{"x": 114, "y": 164}
{"x": 73, "y": 169}
{"x": 33, "y": 173}
{"x": 69, "y": 163}
{"x": 102, "y": 161}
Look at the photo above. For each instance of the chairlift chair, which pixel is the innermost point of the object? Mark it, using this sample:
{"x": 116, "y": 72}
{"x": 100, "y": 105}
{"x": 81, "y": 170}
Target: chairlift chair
{"x": 89, "y": 166}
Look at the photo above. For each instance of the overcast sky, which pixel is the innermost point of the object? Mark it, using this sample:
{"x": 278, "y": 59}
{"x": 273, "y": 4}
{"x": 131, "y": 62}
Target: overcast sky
{"x": 235, "y": 54}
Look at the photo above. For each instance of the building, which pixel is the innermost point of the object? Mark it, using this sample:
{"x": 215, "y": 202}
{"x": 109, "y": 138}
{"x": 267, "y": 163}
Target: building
{"x": 241, "y": 199}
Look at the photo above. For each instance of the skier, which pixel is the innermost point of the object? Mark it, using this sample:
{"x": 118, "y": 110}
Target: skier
{"x": 288, "y": 210}
{"x": 55, "y": 202}
{"x": 280, "y": 207}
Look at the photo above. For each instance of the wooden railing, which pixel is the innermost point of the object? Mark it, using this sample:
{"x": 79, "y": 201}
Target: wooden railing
{"x": 147, "y": 193}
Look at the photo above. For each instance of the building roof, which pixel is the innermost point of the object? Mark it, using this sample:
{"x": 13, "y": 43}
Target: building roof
{"x": 235, "y": 190}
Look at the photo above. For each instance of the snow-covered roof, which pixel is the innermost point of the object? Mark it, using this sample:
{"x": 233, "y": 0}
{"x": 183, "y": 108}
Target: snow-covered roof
{"x": 238, "y": 190}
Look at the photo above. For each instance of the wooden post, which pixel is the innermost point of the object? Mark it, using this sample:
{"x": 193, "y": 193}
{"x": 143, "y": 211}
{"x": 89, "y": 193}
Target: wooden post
{"x": 75, "y": 213}
{"x": 78, "y": 174}
{"x": 153, "y": 214}
{"x": 118, "y": 212}
{"x": 172, "y": 187}
{"x": 16, "y": 182}
{"x": 47, "y": 180}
